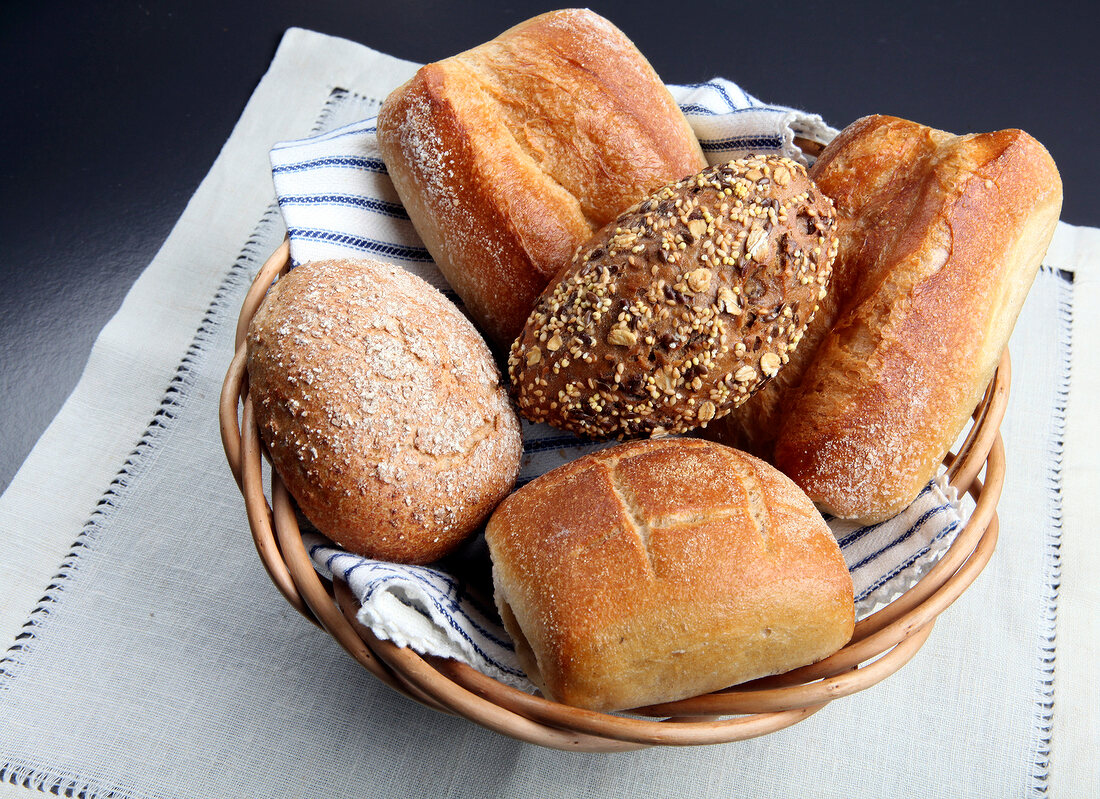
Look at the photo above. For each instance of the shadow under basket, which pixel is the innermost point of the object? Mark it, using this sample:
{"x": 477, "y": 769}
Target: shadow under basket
{"x": 882, "y": 643}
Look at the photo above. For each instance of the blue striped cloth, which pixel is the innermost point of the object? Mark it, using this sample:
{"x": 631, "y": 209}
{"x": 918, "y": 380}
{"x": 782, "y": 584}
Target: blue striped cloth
{"x": 338, "y": 202}
{"x": 424, "y": 608}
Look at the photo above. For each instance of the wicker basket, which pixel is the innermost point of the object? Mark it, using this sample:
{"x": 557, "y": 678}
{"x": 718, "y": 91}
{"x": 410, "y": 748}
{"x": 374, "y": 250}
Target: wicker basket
{"x": 882, "y": 643}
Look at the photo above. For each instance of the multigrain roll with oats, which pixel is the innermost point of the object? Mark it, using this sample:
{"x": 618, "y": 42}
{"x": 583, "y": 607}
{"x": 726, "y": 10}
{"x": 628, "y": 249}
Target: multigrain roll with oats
{"x": 381, "y": 408}
{"x": 511, "y": 154}
{"x": 673, "y": 314}
{"x": 662, "y": 569}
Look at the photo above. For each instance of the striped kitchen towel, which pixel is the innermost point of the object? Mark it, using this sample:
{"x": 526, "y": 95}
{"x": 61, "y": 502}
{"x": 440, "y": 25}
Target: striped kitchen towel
{"x": 338, "y": 202}
{"x": 424, "y": 608}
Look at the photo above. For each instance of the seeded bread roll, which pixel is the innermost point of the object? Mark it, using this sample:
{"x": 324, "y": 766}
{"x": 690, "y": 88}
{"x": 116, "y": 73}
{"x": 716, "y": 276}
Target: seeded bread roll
{"x": 677, "y": 311}
{"x": 662, "y": 569}
{"x": 940, "y": 240}
{"x": 511, "y": 154}
{"x": 754, "y": 425}
{"x": 381, "y": 408}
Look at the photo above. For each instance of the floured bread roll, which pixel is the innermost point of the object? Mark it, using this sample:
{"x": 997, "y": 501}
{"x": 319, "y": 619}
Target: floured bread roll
{"x": 662, "y": 569}
{"x": 381, "y": 408}
{"x": 940, "y": 240}
{"x": 509, "y": 155}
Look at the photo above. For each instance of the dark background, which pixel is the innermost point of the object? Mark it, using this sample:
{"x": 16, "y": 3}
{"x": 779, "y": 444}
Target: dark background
{"x": 113, "y": 113}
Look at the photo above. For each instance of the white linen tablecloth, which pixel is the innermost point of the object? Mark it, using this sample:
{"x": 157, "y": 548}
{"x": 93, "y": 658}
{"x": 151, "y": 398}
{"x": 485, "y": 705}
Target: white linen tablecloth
{"x": 146, "y": 653}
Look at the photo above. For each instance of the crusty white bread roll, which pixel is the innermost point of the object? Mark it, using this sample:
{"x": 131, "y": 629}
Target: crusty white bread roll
{"x": 382, "y": 409}
{"x": 509, "y": 155}
{"x": 662, "y": 569}
{"x": 940, "y": 240}
{"x": 675, "y": 312}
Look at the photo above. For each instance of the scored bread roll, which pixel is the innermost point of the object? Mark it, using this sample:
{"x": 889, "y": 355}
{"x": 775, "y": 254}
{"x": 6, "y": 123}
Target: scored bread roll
{"x": 381, "y": 408}
{"x": 940, "y": 240}
{"x": 662, "y": 569}
{"x": 675, "y": 312}
{"x": 509, "y": 155}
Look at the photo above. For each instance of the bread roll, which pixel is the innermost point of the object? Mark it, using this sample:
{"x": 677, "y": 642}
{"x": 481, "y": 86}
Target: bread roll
{"x": 754, "y": 425}
{"x": 940, "y": 240}
{"x": 662, "y": 569}
{"x": 511, "y": 154}
{"x": 678, "y": 310}
{"x": 381, "y": 408}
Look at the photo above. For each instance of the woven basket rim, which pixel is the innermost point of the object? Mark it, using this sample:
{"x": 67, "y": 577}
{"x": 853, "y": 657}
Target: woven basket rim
{"x": 881, "y": 644}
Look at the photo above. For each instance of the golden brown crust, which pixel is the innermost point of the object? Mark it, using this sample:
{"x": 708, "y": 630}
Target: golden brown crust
{"x": 755, "y": 425}
{"x": 940, "y": 240}
{"x": 511, "y": 154}
{"x": 381, "y": 408}
{"x": 678, "y": 310}
{"x": 661, "y": 569}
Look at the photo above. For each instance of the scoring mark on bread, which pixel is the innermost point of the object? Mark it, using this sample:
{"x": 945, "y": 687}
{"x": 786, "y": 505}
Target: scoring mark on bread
{"x": 634, "y": 512}
{"x": 756, "y": 504}
{"x": 643, "y": 524}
